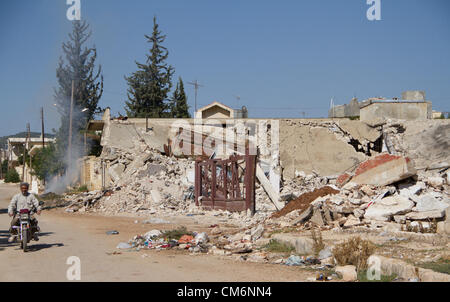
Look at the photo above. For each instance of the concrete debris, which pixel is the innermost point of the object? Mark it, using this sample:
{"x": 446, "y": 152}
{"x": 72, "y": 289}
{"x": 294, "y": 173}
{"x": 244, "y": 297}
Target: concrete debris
{"x": 387, "y": 207}
{"x": 325, "y": 253}
{"x": 348, "y": 272}
{"x": 384, "y": 169}
{"x": 427, "y": 202}
{"x": 436, "y": 181}
{"x": 425, "y": 215}
{"x": 257, "y": 232}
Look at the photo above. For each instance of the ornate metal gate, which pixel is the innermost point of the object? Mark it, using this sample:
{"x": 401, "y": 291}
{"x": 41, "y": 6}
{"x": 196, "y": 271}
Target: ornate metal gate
{"x": 226, "y": 184}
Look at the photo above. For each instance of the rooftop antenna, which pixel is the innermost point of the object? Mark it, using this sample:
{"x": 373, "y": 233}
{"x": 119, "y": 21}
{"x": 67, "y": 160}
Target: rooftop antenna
{"x": 196, "y": 85}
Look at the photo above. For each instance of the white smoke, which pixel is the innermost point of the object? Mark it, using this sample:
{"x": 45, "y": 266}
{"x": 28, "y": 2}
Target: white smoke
{"x": 60, "y": 183}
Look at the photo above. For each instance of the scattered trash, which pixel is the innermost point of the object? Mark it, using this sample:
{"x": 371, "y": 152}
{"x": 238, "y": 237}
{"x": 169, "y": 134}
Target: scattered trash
{"x": 186, "y": 239}
{"x": 201, "y": 238}
{"x": 112, "y": 233}
{"x": 123, "y": 245}
{"x": 294, "y": 261}
{"x": 152, "y": 234}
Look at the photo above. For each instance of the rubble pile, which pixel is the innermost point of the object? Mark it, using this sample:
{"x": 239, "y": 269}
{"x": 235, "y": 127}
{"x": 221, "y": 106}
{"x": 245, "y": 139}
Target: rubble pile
{"x": 384, "y": 189}
{"x": 144, "y": 184}
{"x": 153, "y": 183}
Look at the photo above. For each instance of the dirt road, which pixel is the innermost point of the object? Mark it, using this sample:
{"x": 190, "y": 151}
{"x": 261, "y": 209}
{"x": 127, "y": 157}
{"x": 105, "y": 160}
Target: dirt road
{"x": 83, "y": 236}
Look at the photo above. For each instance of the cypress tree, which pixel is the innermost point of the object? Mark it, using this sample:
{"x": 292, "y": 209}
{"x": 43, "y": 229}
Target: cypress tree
{"x": 178, "y": 106}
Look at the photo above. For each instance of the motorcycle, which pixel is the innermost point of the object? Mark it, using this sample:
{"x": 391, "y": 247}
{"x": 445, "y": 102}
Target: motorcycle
{"x": 24, "y": 229}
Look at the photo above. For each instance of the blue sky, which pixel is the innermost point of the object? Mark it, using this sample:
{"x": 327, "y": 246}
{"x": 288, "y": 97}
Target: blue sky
{"x": 282, "y": 58}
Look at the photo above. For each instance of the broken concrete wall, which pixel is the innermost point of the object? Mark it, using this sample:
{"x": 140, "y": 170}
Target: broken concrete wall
{"x": 321, "y": 146}
{"x": 91, "y": 172}
{"x": 324, "y": 147}
{"x": 426, "y": 143}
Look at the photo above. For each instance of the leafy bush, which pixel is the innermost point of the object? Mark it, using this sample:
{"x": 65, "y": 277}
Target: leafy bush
{"x": 47, "y": 162}
{"x": 12, "y": 176}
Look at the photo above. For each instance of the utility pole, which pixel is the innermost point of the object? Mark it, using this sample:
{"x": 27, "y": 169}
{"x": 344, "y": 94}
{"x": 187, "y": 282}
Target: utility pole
{"x": 196, "y": 86}
{"x": 43, "y": 135}
{"x": 24, "y": 149}
{"x": 69, "y": 149}
{"x": 42, "y": 122}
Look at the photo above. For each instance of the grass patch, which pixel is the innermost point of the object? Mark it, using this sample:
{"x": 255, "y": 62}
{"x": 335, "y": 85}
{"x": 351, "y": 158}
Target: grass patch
{"x": 276, "y": 246}
{"x": 362, "y": 277}
{"x": 354, "y": 251}
{"x": 440, "y": 266}
{"x": 176, "y": 233}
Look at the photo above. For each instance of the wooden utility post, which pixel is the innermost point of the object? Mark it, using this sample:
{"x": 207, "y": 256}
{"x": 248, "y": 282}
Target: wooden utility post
{"x": 69, "y": 150}
{"x": 43, "y": 134}
{"x": 42, "y": 122}
{"x": 24, "y": 149}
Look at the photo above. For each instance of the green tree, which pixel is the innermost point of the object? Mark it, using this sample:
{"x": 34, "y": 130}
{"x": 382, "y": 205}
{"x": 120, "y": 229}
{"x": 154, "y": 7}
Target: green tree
{"x": 178, "y": 104}
{"x": 44, "y": 164}
{"x": 149, "y": 86}
{"x": 88, "y": 85}
{"x": 4, "y": 167}
{"x": 12, "y": 176}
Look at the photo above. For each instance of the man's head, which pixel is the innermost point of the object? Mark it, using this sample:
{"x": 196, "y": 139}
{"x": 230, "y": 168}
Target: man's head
{"x": 24, "y": 186}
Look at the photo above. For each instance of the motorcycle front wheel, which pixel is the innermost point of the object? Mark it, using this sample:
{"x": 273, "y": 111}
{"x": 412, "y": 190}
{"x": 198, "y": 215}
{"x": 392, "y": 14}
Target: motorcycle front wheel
{"x": 23, "y": 245}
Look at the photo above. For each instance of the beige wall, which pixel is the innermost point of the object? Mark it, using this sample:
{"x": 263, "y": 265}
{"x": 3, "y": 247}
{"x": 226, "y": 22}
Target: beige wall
{"x": 403, "y": 111}
{"x": 91, "y": 172}
{"x": 216, "y": 112}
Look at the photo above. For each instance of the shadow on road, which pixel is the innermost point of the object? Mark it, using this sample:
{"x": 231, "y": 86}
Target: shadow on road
{"x": 38, "y": 247}
{"x": 4, "y": 239}
{"x": 4, "y": 235}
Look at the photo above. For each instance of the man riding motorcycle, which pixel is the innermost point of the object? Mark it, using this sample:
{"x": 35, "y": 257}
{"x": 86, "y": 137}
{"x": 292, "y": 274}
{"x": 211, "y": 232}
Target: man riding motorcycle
{"x": 24, "y": 200}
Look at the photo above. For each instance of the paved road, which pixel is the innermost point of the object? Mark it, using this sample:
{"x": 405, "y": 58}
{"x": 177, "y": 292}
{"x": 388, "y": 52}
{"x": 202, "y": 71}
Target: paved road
{"x": 83, "y": 236}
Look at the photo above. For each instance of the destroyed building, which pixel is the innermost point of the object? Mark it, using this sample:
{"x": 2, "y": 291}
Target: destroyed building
{"x": 319, "y": 151}
{"x": 386, "y": 179}
{"x": 412, "y": 106}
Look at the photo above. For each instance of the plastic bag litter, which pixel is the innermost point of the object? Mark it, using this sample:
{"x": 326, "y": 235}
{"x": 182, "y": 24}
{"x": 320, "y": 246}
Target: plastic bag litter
{"x": 123, "y": 245}
{"x": 152, "y": 234}
{"x": 294, "y": 260}
{"x": 201, "y": 238}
